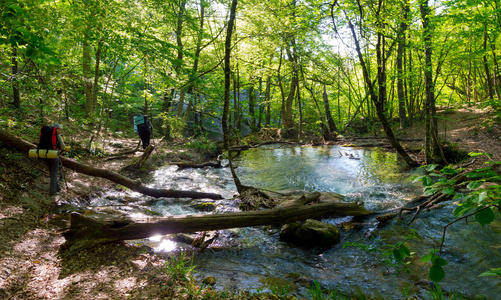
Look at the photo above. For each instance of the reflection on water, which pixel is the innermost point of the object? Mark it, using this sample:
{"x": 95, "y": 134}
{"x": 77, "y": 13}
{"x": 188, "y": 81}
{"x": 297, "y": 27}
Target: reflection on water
{"x": 376, "y": 177}
{"x": 324, "y": 168}
{"x": 252, "y": 258}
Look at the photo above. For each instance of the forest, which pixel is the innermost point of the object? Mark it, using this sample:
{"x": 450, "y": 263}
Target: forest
{"x": 303, "y": 66}
{"x": 214, "y": 72}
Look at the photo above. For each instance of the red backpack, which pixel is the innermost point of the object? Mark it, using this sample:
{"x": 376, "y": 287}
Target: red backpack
{"x": 48, "y": 137}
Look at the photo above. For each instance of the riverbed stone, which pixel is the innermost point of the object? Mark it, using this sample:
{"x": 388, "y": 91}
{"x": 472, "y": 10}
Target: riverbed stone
{"x": 311, "y": 233}
{"x": 209, "y": 281}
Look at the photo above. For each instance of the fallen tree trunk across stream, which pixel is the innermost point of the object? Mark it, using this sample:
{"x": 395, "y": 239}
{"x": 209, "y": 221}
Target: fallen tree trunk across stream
{"x": 88, "y": 232}
{"x": 25, "y": 146}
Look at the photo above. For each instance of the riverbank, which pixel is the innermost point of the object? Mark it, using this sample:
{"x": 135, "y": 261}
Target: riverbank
{"x": 31, "y": 266}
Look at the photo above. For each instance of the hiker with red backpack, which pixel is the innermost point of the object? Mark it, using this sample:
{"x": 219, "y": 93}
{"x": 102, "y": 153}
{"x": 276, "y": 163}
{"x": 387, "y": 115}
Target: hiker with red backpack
{"x": 51, "y": 139}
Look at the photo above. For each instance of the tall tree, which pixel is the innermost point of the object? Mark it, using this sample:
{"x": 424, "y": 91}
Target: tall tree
{"x": 402, "y": 111}
{"x": 227, "y": 74}
{"x": 378, "y": 98}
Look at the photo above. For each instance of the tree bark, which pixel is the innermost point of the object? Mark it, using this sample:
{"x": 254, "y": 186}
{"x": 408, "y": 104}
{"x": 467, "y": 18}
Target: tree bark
{"x": 227, "y": 73}
{"x": 428, "y": 77}
{"x": 404, "y": 121}
{"x": 15, "y": 87}
{"x": 87, "y": 74}
{"x": 87, "y": 232}
{"x": 488, "y": 79}
{"x": 328, "y": 114}
{"x": 288, "y": 121}
{"x": 25, "y": 146}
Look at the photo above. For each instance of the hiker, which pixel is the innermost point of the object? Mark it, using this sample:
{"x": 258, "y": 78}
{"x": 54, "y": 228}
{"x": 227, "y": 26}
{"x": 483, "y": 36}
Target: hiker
{"x": 50, "y": 138}
{"x": 144, "y": 129}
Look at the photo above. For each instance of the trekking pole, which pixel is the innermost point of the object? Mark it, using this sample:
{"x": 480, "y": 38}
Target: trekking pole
{"x": 64, "y": 175}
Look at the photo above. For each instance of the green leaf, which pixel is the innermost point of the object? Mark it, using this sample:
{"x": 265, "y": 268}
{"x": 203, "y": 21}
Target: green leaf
{"x": 436, "y": 273}
{"x": 440, "y": 262}
{"x": 30, "y": 51}
{"x": 492, "y": 272}
{"x": 429, "y": 192}
{"x": 474, "y": 154}
{"x": 473, "y": 175}
{"x": 427, "y": 181}
{"x": 431, "y": 167}
{"x": 448, "y": 190}
{"x": 485, "y": 216}
{"x": 461, "y": 210}
{"x": 426, "y": 258}
{"x": 405, "y": 250}
{"x": 473, "y": 185}
{"x": 398, "y": 257}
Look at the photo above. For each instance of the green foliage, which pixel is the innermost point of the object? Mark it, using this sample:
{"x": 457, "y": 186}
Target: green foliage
{"x": 436, "y": 293}
{"x": 492, "y": 272}
{"x": 436, "y": 273}
{"x": 482, "y": 200}
{"x": 179, "y": 268}
{"x": 281, "y": 291}
{"x": 202, "y": 146}
{"x": 172, "y": 123}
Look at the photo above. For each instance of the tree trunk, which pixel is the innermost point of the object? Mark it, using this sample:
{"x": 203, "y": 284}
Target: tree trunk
{"x": 252, "y": 113}
{"x": 431, "y": 145}
{"x": 193, "y": 74}
{"x": 404, "y": 121}
{"x": 490, "y": 88}
{"x": 300, "y": 108}
{"x": 267, "y": 100}
{"x": 87, "y": 232}
{"x": 379, "y": 103}
{"x": 288, "y": 122}
{"x": 227, "y": 74}
{"x": 95, "y": 85}
{"x": 16, "y": 98}
{"x": 25, "y": 146}
{"x": 87, "y": 75}
{"x": 328, "y": 114}
{"x": 166, "y": 105}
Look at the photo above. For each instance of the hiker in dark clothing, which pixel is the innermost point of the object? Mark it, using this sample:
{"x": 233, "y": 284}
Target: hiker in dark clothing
{"x": 53, "y": 163}
{"x": 145, "y": 130}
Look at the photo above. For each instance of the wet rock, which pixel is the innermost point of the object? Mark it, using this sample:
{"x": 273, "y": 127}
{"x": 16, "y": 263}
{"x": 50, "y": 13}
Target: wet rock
{"x": 311, "y": 233}
{"x": 79, "y": 187}
{"x": 183, "y": 238}
{"x": 204, "y": 206}
{"x": 209, "y": 280}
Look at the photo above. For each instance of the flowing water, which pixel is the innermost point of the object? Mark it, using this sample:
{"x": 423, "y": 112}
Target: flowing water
{"x": 255, "y": 259}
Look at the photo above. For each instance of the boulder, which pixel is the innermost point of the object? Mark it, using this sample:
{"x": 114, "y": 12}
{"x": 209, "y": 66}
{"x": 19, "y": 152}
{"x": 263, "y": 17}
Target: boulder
{"x": 311, "y": 233}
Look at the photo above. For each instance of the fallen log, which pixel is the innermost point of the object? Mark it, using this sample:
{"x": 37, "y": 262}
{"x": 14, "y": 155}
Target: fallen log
{"x": 187, "y": 165}
{"x": 25, "y": 146}
{"x": 86, "y": 232}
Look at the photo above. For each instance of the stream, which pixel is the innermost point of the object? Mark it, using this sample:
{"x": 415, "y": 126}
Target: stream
{"x": 255, "y": 258}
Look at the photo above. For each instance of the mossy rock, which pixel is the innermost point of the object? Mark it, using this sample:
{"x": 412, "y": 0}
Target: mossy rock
{"x": 311, "y": 233}
{"x": 204, "y": 206}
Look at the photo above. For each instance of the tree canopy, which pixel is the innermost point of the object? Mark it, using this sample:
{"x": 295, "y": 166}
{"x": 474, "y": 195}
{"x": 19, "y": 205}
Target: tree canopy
{"x": 303, "y": 66}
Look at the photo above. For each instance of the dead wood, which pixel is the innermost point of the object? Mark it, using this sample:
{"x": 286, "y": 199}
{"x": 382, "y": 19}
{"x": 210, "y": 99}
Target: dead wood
{"x": 422, "y": 203}
{"x": 247, "y": 147}
{"x": 24, "y": 146}
{"x": 123, "y": 153}
{"x": 187, "y": 165}
{"x": 86, "y": 232}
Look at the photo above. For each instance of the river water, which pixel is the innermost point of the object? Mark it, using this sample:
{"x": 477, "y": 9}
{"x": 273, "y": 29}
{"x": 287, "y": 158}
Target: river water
{"x": 255, "y": 259}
